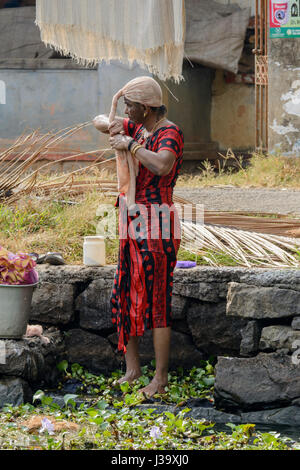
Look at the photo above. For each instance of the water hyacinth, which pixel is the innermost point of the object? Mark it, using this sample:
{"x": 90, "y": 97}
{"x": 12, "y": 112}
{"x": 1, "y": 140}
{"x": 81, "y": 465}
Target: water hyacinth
{"x": 17, "y": 269}
{"x": 47, "y": 426}
{"x": 155, "y": 432}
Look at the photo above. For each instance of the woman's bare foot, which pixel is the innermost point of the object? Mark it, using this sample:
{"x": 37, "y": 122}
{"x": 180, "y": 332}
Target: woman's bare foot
{"x": 155, "y": 386}
{"x": 130, "y": 377}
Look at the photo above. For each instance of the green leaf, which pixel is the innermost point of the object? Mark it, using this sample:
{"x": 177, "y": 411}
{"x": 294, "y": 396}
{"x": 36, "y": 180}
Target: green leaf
{"x": 231, "y": 425}
{"x": 102, "y": 404}
{"x": 124, "y": 387}
{"x": 143, "y": 380}
{"x": 39, "y": 395}
{"x": 76, "y": 368}
{"x": 92, "y": 412}
{"x": 69, "y": 399}
{"x": 48, "y": 401}
{"x": 62, "y": 366}
{"x": 171, "y": 416}
{"x": 209, "y": 381}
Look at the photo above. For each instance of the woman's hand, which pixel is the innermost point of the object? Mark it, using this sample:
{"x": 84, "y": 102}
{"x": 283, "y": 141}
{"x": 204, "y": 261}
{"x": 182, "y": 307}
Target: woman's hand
{"x": 116, "y": 127}
{"x": 119, "y": 142}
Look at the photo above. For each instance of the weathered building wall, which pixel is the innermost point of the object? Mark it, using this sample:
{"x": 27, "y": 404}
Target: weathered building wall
{"x": 49, "y": 99}
{"x": 284, "y": 96}
{"x": 55, "y": 94}
{"x": 241, "y": 3}
{"x": 233, "y": 114}
{"x": 233, "y": 98}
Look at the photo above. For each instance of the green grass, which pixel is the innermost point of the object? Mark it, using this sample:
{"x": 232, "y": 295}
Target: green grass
{"x": 272, "y": 171}
{"x": 202, "y": 258}
{"x": 42, "y": 225}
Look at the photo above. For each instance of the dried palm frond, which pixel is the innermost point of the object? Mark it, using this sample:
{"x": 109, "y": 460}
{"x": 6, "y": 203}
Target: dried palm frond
{"x": 275, "y": 224}
{"x": 15, "y": 180}
{"x": 245, "y": 248}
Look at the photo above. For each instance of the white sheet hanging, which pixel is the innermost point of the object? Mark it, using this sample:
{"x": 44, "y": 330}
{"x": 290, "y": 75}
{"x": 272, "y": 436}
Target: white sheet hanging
{"x": 150, "y": 32}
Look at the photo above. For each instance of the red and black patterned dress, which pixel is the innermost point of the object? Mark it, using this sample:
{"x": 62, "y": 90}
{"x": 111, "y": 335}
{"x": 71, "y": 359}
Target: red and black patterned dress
{"x": 149, "y": 242}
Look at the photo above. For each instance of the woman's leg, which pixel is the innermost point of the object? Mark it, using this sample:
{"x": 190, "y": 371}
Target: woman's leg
{"x": 161, "y": 342}
{"x": 133, "y": 368}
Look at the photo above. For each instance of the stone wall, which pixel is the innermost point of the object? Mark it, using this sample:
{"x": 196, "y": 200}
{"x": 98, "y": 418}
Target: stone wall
{"x": 76, "y": 300}
{"x": 266, "y": 373}
{"x": 247, "y": 319}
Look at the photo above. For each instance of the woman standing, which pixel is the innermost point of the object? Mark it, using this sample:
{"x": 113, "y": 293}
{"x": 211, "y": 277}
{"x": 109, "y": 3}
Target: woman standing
{"x": 142, "y": 292}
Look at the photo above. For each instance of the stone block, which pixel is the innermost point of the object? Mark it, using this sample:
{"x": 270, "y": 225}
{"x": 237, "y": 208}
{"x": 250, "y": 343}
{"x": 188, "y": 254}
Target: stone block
{"x": 52, "y": 303}
{"x": 181, "y": 326}
{"x": 93, "y": 305}
{"x": 179, "y": 307}
{"x": 73, "y": 274}
{"x": 90, "y": 350}
{"x": 14, "y": 391}
{"x": 212, "y": 331}
{"x": 183, "y": 352}
{"x": 296, "y": 323}
{"x": 207, "y": 291}
{"x": 279, "y": 337}
{"x": 31, "y": 359}
{"x": 250, "y": 338}
{"x": 258, "y": 302}
{"x": 261, "y": 382}
{"x": 22, "y": 361}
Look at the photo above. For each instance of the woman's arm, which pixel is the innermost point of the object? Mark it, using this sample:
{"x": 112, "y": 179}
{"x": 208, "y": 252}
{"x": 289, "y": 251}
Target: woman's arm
{"x": 159, "y": 163}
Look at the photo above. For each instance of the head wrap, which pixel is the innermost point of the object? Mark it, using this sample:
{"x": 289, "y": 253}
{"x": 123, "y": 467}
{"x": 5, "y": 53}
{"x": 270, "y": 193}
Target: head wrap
{"x": 144, "y": 90}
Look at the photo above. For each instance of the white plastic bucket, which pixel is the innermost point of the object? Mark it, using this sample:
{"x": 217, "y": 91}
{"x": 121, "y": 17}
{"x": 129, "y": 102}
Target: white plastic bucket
{"x": 94, "y": 251}
{"x": 15, "y": 305}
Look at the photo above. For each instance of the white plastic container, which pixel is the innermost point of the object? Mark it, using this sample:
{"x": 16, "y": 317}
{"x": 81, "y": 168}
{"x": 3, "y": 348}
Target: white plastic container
{"x": 94, "y": 251}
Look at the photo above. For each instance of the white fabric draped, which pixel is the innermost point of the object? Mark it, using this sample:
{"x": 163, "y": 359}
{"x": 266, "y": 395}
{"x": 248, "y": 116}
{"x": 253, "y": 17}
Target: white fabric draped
{"x": 150, "y": 32}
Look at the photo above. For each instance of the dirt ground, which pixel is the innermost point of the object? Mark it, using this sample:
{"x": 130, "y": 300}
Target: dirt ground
{"x": 275, "y": 201}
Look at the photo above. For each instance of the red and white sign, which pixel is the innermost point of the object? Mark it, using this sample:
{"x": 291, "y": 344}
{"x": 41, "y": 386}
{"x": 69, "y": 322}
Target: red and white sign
{"x": 280, "y": 13}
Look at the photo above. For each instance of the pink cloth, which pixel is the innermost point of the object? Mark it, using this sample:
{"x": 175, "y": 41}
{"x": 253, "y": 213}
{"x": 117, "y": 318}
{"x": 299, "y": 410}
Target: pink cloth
{"x": 17, "y": 269}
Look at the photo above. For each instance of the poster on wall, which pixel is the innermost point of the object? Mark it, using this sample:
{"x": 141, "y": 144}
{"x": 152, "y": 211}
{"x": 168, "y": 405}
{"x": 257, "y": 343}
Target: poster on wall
{"x": 284, "y": 18}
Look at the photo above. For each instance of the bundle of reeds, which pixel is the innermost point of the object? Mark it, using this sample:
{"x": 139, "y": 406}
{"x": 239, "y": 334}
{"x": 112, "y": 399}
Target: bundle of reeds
{"x": 256, "y": 246}
{"x": 246, "y": 248}
{"x": 16, "y": 179}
